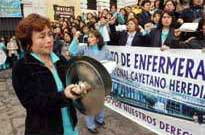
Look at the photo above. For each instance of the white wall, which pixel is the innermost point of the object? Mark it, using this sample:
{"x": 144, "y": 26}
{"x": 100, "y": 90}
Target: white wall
{"x": 123, "y": 3}
{"x": 102, "y": 4}
{"x": 34, "y": 6}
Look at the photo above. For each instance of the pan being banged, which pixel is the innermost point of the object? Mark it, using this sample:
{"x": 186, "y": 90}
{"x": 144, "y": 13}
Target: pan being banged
{"x": 87, "y": 69}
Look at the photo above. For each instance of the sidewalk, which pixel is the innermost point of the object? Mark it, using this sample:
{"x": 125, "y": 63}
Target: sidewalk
{"x": 12, "y": 116}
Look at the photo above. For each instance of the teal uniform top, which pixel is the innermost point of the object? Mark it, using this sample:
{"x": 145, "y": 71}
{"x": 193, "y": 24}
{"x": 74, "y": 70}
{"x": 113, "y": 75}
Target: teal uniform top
{"x": 67, "y": 125}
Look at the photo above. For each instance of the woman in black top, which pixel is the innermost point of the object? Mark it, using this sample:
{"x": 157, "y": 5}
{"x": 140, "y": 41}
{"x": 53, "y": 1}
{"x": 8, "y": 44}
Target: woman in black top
{"x": 39, "y": 81}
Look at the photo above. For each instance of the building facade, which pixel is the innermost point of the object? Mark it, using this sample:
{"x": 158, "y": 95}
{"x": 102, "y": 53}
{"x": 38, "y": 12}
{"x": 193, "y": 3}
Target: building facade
{"x": 45, "y": 7}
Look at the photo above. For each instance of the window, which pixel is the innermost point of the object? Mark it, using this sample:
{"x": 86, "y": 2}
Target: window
{"x": 92, "y": 4}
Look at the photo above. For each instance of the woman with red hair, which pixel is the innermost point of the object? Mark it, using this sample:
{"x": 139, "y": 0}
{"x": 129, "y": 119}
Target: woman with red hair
{"x": 39, "y": 81}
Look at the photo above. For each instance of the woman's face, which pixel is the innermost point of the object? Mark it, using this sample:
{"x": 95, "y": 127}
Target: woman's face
{"x": 85, "y": 30}
{"x": 73, "y": 30}
{"x": 67, "y": 38}
{"x": 122, "y": 11}
{"x": 113, "y": 9}
{"x": 130, "y": 16}
{"x": 105, "y": 12}
{"x": 129, "y": 9}
{"x": 65, "y": 24}
{"x": 42, "y": 42}
{"x": 81, "y": 24}
{"x": 109, "y": 16}
{"x": 131, "y": 26}
{"x": 169, "y": 6}
{"x": 65, "y": 52}
{"x": 65, "y": 30}
{"x": 58, "y": 30}
{"x": 166, "y": 20}
{"x": 89, "y": 16}
{"x": 156, "y": 18}
{"x": 147, "y": 6}
{"x": 92, "y": 40}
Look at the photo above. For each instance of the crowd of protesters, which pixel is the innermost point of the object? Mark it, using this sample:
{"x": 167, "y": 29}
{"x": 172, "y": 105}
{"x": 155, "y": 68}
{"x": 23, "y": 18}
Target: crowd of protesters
{"x": 153, "y": 26}
{"x": 152, "y": 23}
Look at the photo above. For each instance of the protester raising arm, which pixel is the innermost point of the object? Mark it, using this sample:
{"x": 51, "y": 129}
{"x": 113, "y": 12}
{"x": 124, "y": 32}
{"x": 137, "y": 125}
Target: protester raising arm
{"x": 95, "y": 47}
{"x": 97, "y": 50}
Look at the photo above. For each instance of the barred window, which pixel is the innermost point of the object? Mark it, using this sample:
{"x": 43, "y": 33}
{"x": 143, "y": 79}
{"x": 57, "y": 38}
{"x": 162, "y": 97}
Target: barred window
{"x": 92, "y": 4}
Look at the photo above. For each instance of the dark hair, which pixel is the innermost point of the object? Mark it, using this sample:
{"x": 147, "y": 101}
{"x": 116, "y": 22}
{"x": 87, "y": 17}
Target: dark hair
{"x": 173, "y": 2}
{"x": 170, "y": 14}
{"x": 110, "y": 14}
{"x": 113, "y": 5}
{"x": 136, "y": 22}
{"x": 85, "y": 26}
{"x": 89, "y": 13}
{"x": 91, "y": 25}
{"x": 144, "y": 2}
{"x": 157, "y": 12}
{"x": 124, "y": 11}
{"x": 79, "y": 18}
{"x": 68, "y": 33}
{"x": 33, "y": 22}
{"x": 183, "y": 2}
{"x": 105, "y": 9}
{"x": 99, "y": 37}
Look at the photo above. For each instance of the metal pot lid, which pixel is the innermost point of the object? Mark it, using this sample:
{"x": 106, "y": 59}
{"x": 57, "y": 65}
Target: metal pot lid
{"x": 87, "y": 69}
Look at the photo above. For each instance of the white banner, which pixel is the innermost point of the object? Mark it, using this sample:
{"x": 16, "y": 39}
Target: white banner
{"x": 158, "y": 123}
{"x": 168, "y": 83}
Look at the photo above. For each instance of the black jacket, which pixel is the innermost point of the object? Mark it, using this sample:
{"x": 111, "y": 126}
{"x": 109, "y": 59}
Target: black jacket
{"x": 193, "y": 44}
{"x": 155, "y": 37}
{"x": 138, "y": 40}
{"x": 58, "y": 45}
{"x": 192, "y": 13}
{"x": 37, "y": 92}
{"x": 83, "y": 38}
{"x": 144, "y": 17}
